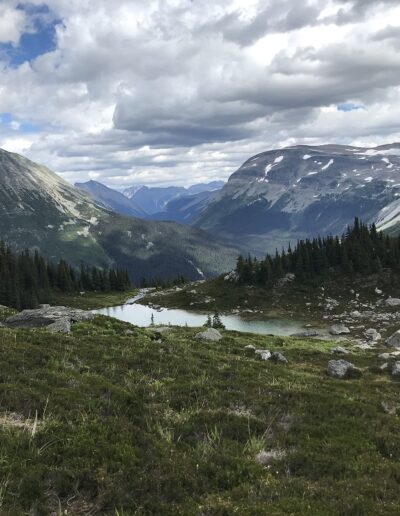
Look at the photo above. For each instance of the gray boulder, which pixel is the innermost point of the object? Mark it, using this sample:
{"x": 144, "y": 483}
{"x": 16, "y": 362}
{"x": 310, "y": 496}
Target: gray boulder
{"x": 45, "y": 316}
{"x": 394, "y": 340}
{"x": 278, "y": 357}
{"x": 392, "y": 301}
{"x": 384, "y": 356}
{"x": 342, "y": 369}
{"x": 372, "y": 335}
{"x": 266, "y": 355}
{"x": 211, "y": 334}
{"x": 396, "y": 370}
{"x": 63, "y": 325}
{"x": 339, "y": 329}
{"x": 340, "y": 351}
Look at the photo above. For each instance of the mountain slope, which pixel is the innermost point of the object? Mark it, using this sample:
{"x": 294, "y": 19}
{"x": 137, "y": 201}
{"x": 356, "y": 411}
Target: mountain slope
{"x": 282, "y": 195}
{"x": 155, "y": 200}
{"x": 185, "y": 210}
{"x": 40, "y": 210}
{"x": 110, "y": 199}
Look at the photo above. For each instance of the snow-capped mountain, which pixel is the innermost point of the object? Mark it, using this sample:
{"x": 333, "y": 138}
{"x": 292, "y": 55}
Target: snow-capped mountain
{"x": 285, "y": 194}
{"x": 39, "y": 210}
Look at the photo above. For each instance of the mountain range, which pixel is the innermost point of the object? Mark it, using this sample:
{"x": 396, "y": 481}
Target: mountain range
{"x": 275, "y": 197}
{"x": 39, "y": 210}
{"x": 283, "y": 195}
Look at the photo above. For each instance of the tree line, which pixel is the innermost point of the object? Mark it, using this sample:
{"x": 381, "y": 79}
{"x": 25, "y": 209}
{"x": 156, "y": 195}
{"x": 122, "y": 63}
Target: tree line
{"x": 361, "y": 249}
{"x": 27, "y": 279}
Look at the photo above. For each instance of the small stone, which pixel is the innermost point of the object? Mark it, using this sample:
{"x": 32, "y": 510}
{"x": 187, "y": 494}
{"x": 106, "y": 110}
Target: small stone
{"x": 396, "y": 370}
{"x": 342, "y": 369}
{"x": 392, "y": 301}
{"x": 278, "y": 357}
{"x": 384, "y": 356}
{"x": 266, "y": 457}
{"x": 129, "y": 332}
{"x": 266, "y": 355}
{"x": 250, "y": 347}
{"x": 339, "y": 329}
{"x": 372, "y": 335}
{"x": 394, "y": 340}
{"x": 340, "y": 351}
{"x": 389, "y": 408}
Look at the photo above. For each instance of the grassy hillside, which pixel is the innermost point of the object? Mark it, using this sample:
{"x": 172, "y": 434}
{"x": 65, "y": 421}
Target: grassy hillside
{"x": 108, "y": 422}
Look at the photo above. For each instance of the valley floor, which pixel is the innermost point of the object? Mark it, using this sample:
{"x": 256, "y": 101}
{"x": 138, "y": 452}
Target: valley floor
{"x": 113, "y": 419}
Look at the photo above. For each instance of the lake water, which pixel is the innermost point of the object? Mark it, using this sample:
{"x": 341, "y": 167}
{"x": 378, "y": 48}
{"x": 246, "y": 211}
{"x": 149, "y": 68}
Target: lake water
{"x": 140, "y": 315}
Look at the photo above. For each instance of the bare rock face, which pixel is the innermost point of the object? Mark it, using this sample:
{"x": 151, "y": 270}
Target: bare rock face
{"x": 342, "y": 369}
{"x": 394, "y": 340}
{"x": 56, "y": 317}
{"x": 211, "y": 334}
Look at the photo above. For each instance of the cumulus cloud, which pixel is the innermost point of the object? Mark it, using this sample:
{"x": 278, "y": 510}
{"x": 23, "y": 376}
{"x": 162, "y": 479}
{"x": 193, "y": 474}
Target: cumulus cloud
{"x": 176, "y": 91}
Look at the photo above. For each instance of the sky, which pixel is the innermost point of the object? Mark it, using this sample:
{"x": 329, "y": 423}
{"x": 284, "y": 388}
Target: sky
{"x": 163, "y": 92}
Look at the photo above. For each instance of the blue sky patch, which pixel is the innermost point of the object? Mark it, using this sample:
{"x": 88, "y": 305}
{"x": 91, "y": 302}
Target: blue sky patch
{"x": 7, "y": 120}
{"x": 349, "y": 106}
{"x": 33, "y": 44}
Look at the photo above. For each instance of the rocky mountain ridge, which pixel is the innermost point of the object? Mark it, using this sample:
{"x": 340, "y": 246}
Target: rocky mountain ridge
{"x": 282, "y": 195}
{"x": 39, "y": 210}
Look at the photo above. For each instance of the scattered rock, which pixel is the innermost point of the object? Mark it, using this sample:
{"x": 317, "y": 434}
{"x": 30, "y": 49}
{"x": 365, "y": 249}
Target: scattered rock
{"x": 278, "y": 357}
{"x": 384, "y": 356}
{"x": 392, "y": 301}
{"x": 394, "y": 340}
{"x": 250, "y": 347}
{"x": 129, "y": 332}
{"x": 342, "y": 369}
{"x": 261, "y": 351}
{"x": 373, "y": 335}
{"x": 396, "y": 370}
{"x": 355, "y": 314}
{"x": 307, "y": 333}
{"x": 266, "y": 457}
{"x": 45, "y": 316}
{"x": 384, "y": 367}
{"x": 63, "y": 325}
{"x": 378, "y": 291}
{"x": 363, "y": 346}
{"x": 340, "y": 351}
{"x": 339, "y": 329}
{"x": 266, "y": 355}
{"x": 211, "y": 334}
{"x": 389, "y": 408}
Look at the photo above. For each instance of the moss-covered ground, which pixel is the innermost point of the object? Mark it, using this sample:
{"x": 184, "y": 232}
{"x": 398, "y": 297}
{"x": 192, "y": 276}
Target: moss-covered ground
{"x": 92, "y": 300}
{"x": 105, "y": 421}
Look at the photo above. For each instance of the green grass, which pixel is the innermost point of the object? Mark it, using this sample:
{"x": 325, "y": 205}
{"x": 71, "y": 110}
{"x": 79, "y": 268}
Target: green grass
{"x": 92, "y": 300}
{"x": 101, "y": 422}
{"x": 302, "y": 300}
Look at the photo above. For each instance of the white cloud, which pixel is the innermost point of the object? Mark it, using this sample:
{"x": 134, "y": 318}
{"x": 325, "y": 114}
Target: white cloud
{"x": 175, "y": 91}
{"x": 13, "y": 23}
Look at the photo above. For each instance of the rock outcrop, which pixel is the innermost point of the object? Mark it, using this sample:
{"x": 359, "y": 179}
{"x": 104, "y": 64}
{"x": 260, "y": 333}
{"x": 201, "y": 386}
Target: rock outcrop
{"x": 55, "y": 318}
